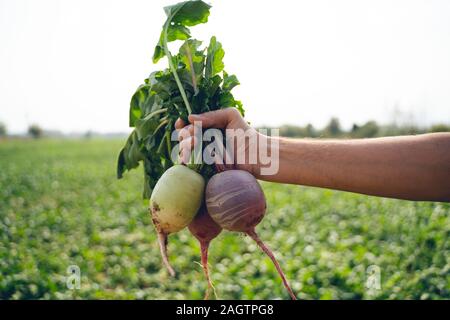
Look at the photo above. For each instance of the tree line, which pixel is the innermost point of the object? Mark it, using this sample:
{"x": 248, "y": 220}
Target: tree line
{"x": 333, "y": 129}
{"x": 370, "y": 129}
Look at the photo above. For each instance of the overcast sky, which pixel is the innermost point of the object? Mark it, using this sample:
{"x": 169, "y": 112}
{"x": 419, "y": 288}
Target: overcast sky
{"x": 72, "y": 65}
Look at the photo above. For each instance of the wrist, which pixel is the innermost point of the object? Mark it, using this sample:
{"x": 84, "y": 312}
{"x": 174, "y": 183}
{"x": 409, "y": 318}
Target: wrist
{"x": 267, "y": 157}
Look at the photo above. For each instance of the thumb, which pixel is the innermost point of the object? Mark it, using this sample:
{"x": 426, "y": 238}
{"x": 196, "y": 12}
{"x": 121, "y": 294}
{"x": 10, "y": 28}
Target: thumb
{"x": 215, "y": 119}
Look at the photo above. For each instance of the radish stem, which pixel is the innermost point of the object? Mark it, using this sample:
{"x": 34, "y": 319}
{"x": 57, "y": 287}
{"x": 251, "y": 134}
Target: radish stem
{"x": 172, "y": 67}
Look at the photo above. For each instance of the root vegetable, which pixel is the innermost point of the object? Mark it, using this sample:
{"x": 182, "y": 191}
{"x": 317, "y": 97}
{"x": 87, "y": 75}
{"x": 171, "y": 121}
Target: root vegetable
{"x": 235, "y": 201}
{"x": 175, "y": 200}
{"x": 204, "y": 229}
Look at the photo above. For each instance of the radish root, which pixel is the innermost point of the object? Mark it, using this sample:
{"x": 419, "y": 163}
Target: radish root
{"x": 162, "y": 239}
{"x": 267, "y": 251}
{"x": 204, "y": 245}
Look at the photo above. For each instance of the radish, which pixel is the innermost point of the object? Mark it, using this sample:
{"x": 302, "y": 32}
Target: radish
{"x": 175, "y": 200}
{"x": 235, "y": 201}
{"x": 204, "y": 229}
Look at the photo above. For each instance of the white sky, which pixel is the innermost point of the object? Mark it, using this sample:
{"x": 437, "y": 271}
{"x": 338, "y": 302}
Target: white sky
{"x": 72, "y": 65}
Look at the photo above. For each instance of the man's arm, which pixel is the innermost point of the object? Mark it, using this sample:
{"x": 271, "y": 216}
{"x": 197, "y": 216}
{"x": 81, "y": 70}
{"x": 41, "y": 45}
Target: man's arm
{"x": 406, "y": 167}
{"x": 409, "y": 167}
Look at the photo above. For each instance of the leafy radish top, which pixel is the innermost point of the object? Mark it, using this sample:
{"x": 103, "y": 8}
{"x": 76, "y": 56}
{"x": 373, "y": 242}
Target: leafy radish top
{"x": 194, "y": 82}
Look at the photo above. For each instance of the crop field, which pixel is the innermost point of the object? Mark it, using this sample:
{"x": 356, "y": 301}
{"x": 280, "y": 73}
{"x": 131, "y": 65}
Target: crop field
{"x": 61, "y": 205}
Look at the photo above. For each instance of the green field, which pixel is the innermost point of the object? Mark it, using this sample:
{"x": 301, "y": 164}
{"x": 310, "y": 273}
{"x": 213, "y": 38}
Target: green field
{"x": 61, "y": 205}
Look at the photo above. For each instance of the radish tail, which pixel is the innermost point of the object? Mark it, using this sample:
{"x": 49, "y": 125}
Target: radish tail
{"x": 162, "y": 239}
{"x": 204, "y": 252}
{"x": 267, "y": 251}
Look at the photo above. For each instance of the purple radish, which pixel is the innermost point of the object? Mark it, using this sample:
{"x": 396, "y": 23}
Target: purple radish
{"x": 235, "y": 201}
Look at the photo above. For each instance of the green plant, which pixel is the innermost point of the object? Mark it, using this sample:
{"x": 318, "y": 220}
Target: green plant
{"x": 67, "y": 209}
{"x": 195, "y": 82}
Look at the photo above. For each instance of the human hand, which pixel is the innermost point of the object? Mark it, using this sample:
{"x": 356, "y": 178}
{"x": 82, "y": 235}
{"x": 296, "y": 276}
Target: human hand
{"x": 229, "y": 119}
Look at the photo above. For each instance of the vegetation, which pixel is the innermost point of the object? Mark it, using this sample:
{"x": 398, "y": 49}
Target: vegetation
{"x": 60, "y": 205}
{"x": 3, "y": 130}
{"x": 35, "y": 131}
{"x": 370, "y": 129}
{"x": 194, "y": 82}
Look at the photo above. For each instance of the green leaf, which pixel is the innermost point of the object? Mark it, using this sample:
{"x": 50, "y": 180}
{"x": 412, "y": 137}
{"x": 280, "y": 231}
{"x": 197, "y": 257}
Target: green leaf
{"x": 130, "y": 155}
{"x": 215, "y": 54}
{"x": 240, "y": 107}
{"x": 121, "y": 167}
{"x": 174, "y": 32}
{"x": 162, "y": 84}
{"x": 158, "y": 53}
{"x": 153, "y": 169}
{"x": 194, "y": 61}
{"x": 149, "y": 123}
{"x": 188, "y": 13}
{"x": 177, "y": 32}
{"x": 145, "y": 127}
{"x": 137, "y": 103}
{"x": 147, "y": 188}
{"x": 229, "y": 81}
{"x": 214, "y": 84}
{"x": 179, "y": 16}
{"x": 226, "y": 100}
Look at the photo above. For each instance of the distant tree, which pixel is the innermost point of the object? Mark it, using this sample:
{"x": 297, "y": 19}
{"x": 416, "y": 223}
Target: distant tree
{"x": 88, "y": 134}
{"x": 3, "y": 130}
{"x": 333, "y": 129}
{"x": 310, "y": 131}
{"x": 440, "y": 128}
{"x": 297, "y": 131}
{"x": 35, "y": 131}
{"x": 369, "y": 130}
{"x": 291, "y": 131}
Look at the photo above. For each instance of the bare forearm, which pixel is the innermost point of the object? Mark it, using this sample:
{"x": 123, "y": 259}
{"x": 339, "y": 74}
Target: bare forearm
{"x": 412, "y": 167}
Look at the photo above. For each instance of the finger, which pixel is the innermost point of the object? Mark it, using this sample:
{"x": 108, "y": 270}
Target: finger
{"x": 217, "y": 119}
{"x": 220, "y": 167}
{"x": 221, "y": 161}
{"x": 186, "y": 147}
{"x": 185, "y": 132}
{"x": 179, "y": 124}
{"x": 187, "y": 143}
{"x": 222, "y": 164}
{"x": 185, "y": 153}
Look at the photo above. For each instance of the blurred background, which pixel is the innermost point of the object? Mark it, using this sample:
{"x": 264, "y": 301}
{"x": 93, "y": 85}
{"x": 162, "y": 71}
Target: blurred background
{"x": 345, "y": 69}
{"x": 71, "y": 66}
